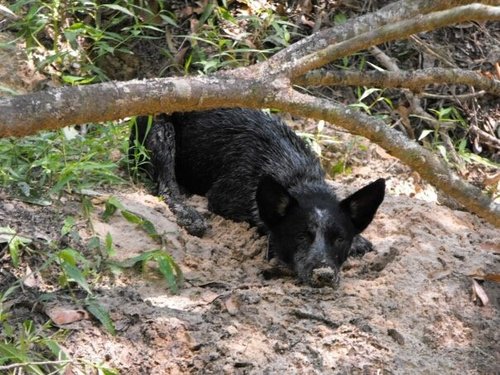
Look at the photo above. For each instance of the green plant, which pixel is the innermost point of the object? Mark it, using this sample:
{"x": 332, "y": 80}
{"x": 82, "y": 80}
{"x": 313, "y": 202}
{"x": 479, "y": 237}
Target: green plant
{"x": 223, "y": 40}
{"x": 33, "y": 349}
{"x": 4, "y": 310}
{"x": 448, "y": 121}
{"x": 15, "y": 243}
{"x": 26, "y": 345}
{"x": 166, "y": 264}
{"x": 448, "y": 114}
{"x": 69, "y": 38}
{"x": 318, "y": 139}
{"x": 138, "y": 157}
{"x": 37, "y": 166}
{"x": 75, "y": 268}
{"x": 375, "y": 95}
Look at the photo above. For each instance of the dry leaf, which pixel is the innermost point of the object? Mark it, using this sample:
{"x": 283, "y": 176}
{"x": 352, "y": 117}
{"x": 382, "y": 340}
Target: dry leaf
{"x": 60, "y": 315}
{"x": 32, "y": 279}
{"x": 306, "y": 22}
{"x": 486, "y": 276}
{"x": 209, "y": 296}
{"x": 492, "y": 246}
{"x": 232, "y": 305}
{"x": 478, "y": 291}
{"x": 492, "y": 179}
{"x": 440, "y": 274}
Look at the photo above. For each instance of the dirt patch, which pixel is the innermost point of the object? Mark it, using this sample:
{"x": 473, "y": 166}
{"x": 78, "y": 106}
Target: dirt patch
{"x": 17, "y": 74}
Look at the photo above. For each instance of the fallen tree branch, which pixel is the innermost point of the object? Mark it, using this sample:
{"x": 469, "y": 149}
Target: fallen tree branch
{"x": 417, "y": 109}
{"x": 469, "y": 95}
{"x": 52, "y": 109}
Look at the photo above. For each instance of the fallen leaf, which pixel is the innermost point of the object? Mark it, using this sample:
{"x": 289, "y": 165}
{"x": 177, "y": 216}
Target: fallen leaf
{"x": 478, "y": 291}
{"x": 383, "y": 154}
{"x": 60, "y": 315}
{"x": 492, "y": 246}
{"x": 209, "y": 296}
{"x": 486, "y": 276}
{"x": 232, "y": 305}
{"x": 32, "y": 279}
{"x": 491, "y": 179}
{"x": 440, "y": 274}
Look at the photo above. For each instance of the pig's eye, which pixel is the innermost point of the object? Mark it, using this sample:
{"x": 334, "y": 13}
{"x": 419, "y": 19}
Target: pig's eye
{"x": 336, "y": 238}
{"x": 307, "y": 236}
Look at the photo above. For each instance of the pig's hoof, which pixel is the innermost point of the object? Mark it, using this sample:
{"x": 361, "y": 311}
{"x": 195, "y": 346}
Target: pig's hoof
{"x": 360, "y": 246}
{"x": 191, "y": 220}
{"x": 197, "y": 228}
{"x": 325, "y": 276}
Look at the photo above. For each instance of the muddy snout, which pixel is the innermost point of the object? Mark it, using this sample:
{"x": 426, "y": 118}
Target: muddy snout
{"x": 317, "y": 269}
{"x": 324, "y": 276}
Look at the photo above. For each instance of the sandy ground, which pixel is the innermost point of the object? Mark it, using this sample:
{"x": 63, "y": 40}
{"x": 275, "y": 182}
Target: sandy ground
{"x": 406, "y": 308}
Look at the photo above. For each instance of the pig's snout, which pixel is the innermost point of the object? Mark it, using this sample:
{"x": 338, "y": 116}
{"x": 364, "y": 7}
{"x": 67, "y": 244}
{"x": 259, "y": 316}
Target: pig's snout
{"x": 325, "y": 276}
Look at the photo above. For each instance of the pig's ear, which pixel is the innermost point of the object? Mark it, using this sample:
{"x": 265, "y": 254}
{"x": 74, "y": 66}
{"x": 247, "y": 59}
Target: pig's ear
{"x": 362, "y": 205}
{"x": 273, "y": 201}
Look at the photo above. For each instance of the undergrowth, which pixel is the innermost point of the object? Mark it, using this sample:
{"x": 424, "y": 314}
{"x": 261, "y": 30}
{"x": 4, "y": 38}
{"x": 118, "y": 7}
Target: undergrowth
{"x": 42, "y": 166}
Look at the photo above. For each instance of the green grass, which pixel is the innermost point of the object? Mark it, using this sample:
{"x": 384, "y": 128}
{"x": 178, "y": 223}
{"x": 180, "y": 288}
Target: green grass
{"x": 39, "y": 167}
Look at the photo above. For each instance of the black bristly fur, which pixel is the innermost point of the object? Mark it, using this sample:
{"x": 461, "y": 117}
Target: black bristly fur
{"x": 254, "y": 168}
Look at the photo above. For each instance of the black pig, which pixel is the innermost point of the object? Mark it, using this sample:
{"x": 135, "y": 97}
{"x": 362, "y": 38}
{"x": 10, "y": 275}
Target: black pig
{"x": 254, "y": 168}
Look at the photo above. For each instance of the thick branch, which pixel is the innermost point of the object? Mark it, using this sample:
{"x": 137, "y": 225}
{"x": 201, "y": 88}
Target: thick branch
{"x": 411, "y": 153}
{"x": 398, "y": 30}
{"x": 415, "y": 80}
{"x": 52, "y": 109}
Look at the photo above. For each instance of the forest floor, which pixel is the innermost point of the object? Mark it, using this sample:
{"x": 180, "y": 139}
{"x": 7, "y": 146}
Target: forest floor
{"x": 422, "y": 303}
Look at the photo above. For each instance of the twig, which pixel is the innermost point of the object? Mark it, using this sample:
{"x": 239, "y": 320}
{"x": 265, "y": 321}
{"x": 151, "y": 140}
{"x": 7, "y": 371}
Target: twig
{"x": 305, "y": 315}
{"x": 389, "y": 14}
{"x": 417, "y": 107}
{"x": 432, "y": 52}
{"x": 486, "y": 137}
{"x": 458, "y": 97}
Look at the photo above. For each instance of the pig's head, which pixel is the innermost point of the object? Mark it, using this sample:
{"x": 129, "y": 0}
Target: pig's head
{"x": 311, "y": 230}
